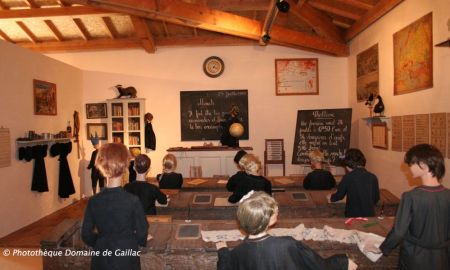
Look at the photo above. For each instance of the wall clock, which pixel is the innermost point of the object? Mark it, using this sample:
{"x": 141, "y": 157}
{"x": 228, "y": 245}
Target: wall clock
{"x": 213, "y": 66}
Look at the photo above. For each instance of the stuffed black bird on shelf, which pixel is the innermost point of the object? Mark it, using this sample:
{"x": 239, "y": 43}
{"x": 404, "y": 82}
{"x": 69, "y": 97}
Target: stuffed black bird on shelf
{"x": 379, "y": 107}
{"x": 369, "y": 100}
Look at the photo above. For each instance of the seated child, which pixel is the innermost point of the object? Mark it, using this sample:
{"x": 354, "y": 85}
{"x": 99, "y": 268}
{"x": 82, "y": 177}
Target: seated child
{"x": 360, "y": 186}
{"x": 261, "y": 251}
{"x": 169, "y": 179}
{"x": 252, "y": 180}
{"x": 232, "y": 182}
{"x": 146, "y": 192}
{"x": 422, "y": 223}
{"x": 318, "y": 179}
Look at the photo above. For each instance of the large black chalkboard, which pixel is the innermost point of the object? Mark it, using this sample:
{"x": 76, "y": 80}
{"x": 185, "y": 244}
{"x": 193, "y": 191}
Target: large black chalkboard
{"x": 201, "y": 110}
{"x": 327, "y": 130}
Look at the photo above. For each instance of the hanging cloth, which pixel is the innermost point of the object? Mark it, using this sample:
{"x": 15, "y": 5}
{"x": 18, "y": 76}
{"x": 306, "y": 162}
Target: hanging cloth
{"x": 150, "y": 138}
{"x": 38, "y": 153}
{"x": 65, "y": 186}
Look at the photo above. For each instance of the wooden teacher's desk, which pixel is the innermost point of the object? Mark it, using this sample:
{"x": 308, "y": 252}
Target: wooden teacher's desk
{"x": 186, "y": 205}
{"x": 170, "y": 249}
{"x": 207, "y": 160}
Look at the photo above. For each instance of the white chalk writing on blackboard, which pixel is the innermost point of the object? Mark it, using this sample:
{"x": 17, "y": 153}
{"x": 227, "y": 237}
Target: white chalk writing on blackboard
{"x": 327, "y": 130}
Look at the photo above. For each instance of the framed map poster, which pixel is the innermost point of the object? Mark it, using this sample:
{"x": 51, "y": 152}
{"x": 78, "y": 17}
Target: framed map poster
{"x": 413, "y": 56}
{"x": 297, "y": 76}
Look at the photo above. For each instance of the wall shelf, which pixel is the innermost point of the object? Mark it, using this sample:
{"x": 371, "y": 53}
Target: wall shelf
{"x": 42, "y": 141}
{"x": 378, "y": 119}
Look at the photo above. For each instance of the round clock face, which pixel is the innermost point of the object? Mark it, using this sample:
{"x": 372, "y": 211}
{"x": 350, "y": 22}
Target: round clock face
{"x": 213, "y": 66}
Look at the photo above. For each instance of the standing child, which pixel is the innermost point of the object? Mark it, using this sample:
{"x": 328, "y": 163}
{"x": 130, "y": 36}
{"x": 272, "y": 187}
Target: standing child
{"x": 261, "y": 251}
{"x": 96, "y": 175}
{"x": 422, "y": 223}
{"x": 146, "y": 192}
{"x": 114, "y": 220}
{"x": 169, "y": 179}
{"x": 318, "y": 179}
{"x": 360, "y": 186}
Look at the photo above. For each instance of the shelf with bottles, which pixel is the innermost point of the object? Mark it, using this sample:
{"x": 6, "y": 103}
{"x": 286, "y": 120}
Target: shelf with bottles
{"x": 134, "y": 109}
{"x": 117, "y": 110}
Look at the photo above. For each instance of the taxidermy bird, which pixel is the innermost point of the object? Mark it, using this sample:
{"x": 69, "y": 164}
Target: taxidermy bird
{"x": 369, "y": 100}
{"x": 379, "y": 107}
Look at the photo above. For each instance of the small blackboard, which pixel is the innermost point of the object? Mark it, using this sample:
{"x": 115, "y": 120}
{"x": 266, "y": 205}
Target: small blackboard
{"x": 188, "y": 231}
{"x": 202, "y": 199}
{"x": 201, "y": 112}
{"x": 327, "y": 130}
{"x": 299, "y": 196}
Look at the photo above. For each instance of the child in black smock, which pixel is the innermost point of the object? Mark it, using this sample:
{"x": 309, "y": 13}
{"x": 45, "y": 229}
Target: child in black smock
{"x": 422, "y": 223}
{"x": 169, "y": 179}
{"x": 252, "y": 180}
{"x": 96, "y": 175}
{"x": 146, "y": 192}
{"x": 359, "y": 185}
{"x": 114, "y": 219}
{"x": 318, "y": 178}
{"x": 238, "y": 176}
{"x": 261, "y": 251}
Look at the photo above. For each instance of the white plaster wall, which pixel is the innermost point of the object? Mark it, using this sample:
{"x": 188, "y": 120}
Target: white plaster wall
{"x": 161, "y": 76}
{"x": 19, "y": 206}
{"x": 387, "y": 165}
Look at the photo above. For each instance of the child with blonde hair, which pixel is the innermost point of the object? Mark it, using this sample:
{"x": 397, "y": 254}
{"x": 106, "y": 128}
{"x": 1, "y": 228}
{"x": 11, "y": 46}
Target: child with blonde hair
{"x": 252, "y": 180}
{"x": 169, "y": 179}
{"x": 261, "y": 251}
{"x": 318, "y": 178}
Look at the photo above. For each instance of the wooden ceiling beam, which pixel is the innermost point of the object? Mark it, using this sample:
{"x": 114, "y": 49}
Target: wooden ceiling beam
{"x": 31, "y": 4}
{"x": 5, "y": 37}
{"x": 54, "y": 30}
{"x": 204, "y": 41}
{"x": 327, "y": 7}
{"x": 82, "y": 45}
{"x": 321, "y": 23}
{"x": 62, "y": 3}
{"x": 358, "y": 4}
{"x": 51, "y": 12}
{"x": 182, "y": 13}
{"x": 239, "y": 5}
{"x": 27, "y": 31}
{"x": 84, "y": 33}
{"x": 109, "y": 27}
{"x": 3, "y": 6}
{"x": 383, "y": 7}
{"x": 143, "y": 34}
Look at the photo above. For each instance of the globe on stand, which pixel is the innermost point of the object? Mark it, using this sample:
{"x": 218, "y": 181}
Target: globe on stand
{"x": 236, "y": 130}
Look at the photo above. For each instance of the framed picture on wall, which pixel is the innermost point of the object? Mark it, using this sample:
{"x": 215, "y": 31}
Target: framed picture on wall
{"x": 99, "y": 129}
{"x": 44, "y": 96}
{"x": 367, "y": 78}
{"x": 380, "y": 135}
{"x": 96, "y": 110}
{"x": 298, "y": 76}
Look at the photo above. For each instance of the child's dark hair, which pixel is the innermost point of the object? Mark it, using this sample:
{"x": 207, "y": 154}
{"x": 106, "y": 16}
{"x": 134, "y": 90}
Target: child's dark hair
{"x": 354, "y": 158}
{"x": 142, "y": 163}
{"x": 428, "y": 154}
